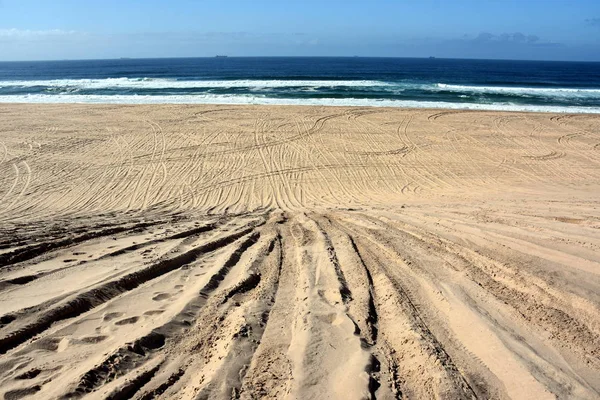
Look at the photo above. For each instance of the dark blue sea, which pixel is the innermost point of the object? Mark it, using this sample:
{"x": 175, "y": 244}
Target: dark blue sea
{"x": 355, "y": 81}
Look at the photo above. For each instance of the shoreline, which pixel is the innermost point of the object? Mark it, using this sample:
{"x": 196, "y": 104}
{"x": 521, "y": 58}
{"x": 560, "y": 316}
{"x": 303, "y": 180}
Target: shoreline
{"x": 277, "y": 103}
{"x": 241, "y": 105}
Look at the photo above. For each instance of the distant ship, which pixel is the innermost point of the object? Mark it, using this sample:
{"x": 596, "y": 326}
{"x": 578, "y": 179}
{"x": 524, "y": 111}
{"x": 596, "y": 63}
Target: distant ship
{"x": 219, "y": 56}
{"x": 431, "y": 57}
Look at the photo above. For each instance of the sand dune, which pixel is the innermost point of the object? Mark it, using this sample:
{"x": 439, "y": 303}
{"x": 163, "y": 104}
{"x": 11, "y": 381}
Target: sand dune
{"x": 200, "y": 252}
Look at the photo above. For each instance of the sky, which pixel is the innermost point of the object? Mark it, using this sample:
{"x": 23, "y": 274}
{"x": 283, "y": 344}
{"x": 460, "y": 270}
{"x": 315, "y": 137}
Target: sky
{"x": 492, "y": 29}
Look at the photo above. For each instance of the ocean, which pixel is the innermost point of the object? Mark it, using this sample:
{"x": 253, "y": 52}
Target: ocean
{"x": 572, "y": 87}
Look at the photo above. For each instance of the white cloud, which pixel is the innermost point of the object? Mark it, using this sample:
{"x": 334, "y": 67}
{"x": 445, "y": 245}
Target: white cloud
{"x": 28, "y": 33}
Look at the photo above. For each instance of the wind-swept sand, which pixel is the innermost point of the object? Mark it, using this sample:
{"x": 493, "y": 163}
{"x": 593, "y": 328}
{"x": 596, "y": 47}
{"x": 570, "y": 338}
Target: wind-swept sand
{"x": 297, "y": 252}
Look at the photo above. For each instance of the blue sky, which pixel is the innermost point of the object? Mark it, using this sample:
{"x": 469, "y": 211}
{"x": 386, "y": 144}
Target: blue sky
{"x": 506, "y": 29}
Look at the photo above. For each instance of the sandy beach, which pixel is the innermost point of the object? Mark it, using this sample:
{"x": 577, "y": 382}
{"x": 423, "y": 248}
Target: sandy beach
{"x": 286, "y": 252}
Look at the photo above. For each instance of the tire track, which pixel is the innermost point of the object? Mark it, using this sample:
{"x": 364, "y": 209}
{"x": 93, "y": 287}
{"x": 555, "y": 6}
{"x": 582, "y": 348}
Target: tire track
{"x": 88, "y": 300}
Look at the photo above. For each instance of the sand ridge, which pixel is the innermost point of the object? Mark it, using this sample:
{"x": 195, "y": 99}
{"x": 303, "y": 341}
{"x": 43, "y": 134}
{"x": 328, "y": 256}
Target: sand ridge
{"x": 298, "y": 252}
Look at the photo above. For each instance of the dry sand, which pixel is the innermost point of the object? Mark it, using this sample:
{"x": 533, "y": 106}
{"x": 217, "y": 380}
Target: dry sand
{"x": 210, "y": 252}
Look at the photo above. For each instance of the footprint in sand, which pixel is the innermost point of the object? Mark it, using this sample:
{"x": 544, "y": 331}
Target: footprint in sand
{"x": 112, "y": 315}
{"x": 161, "y": 297}
{"x": 32, "y": 373}
{"x": 127, "y": 321}
{"x": 19, "y": 393}
{"x": 154, "y": 312}
{"x": 93, "y": 339}
{"x": 52, "y": 344}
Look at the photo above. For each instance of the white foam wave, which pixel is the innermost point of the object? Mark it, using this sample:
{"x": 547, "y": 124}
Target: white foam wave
{"x": 546, "y": 92}
{"x": 160, "y": 83}
{"x": 249, "y": 99}
{"x": 74, "y": 85}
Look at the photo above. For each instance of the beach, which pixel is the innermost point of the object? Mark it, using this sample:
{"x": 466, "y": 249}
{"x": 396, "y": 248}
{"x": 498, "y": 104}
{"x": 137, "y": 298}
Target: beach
{"x": 255, "y": 251}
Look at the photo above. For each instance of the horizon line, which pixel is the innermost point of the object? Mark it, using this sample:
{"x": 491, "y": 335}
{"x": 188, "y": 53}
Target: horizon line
{"x": 352, "y": 56}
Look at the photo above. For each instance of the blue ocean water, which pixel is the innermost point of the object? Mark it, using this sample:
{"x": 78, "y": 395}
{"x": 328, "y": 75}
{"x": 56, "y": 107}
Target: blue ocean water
{"x": 397, "y": 82}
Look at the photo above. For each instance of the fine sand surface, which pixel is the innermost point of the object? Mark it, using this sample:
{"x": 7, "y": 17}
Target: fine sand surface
{"x": 216, "y": 252}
